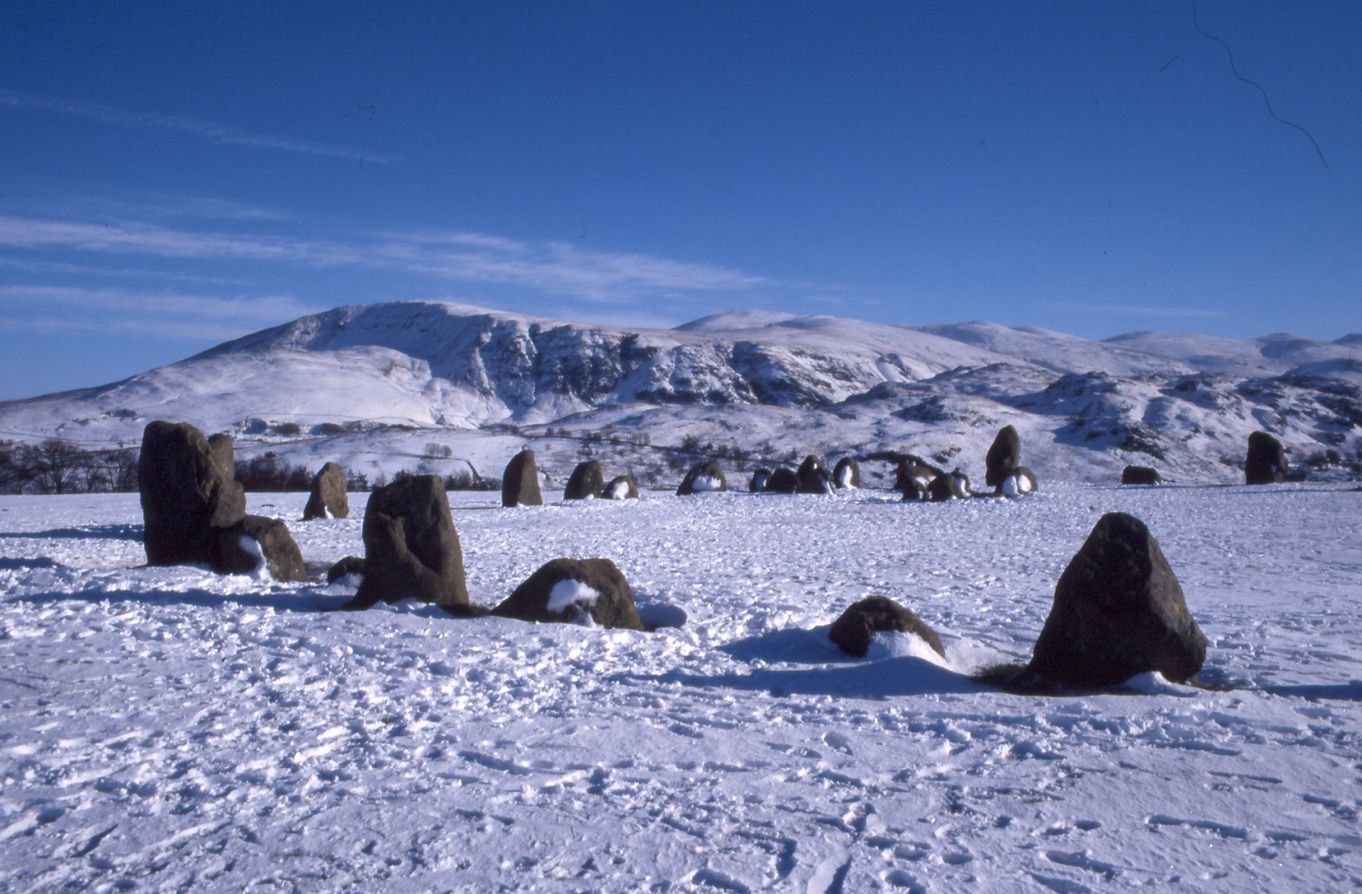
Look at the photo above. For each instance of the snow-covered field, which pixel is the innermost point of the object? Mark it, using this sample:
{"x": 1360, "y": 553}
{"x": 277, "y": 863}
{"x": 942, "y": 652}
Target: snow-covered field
{"x": 169, "y": 729}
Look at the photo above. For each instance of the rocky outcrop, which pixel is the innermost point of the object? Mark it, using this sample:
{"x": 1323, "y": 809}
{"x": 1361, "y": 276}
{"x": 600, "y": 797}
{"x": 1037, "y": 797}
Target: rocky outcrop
{"x": 328, "y": 498}
{"x": 520, "y": 481}
{"x": 591, "y": 591}
{"x": 1118, "y": 611}
{"x": 411, "y": 549}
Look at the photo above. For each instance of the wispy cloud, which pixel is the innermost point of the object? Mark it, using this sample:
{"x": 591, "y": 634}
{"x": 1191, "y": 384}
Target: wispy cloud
{"x": 212, "y": 131}
{"x": 1136, "y": 310}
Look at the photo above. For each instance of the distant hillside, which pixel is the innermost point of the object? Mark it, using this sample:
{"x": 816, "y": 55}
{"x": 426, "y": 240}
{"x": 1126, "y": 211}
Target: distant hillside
{"x": 389, "y": 386}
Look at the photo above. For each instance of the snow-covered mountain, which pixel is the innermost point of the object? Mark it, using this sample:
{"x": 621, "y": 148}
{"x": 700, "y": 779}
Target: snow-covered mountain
{"x": 388, "y": 386}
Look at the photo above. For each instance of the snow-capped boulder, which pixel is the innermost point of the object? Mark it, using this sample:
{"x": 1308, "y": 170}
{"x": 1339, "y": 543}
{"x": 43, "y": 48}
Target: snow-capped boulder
{"x": 757, "y": 483}
{"x": 1140, "y": 475}
{"x": 256, "y": 543}
{"x": 702, "y": 477}
{"x": 1266, "y": 461}
{"x": 952, "y": 486}
{"x": 411, "y": 549}
{"x": 591, "y": 591}
{"x": 855, "y": 627}
{"x": 783, "y": 480}
{"x": 1019, "y": 482}
{"x": 1004, "y": 455}
{"x": 328, "y": 498}
{"x": 813, "y": 476}
{"x": 188, "y": 489}
{"x": 586, "y": 481}
{"x": 847, "y": 473}
{"x": 621, "y": 487}
{"x": 520, "y": 481}
{"x": 1118, "y": 611}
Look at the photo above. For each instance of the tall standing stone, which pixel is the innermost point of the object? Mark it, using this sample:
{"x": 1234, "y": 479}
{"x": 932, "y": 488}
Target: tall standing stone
{"x": 411, "y": 548}
{"x": 328, "y": 498}
{"x": 1003, "y": 458}
{"x": 1266, "y": 461}
{"x": 586, "y": 482}
{"x": 187, "y": 489}
{"x": 520, "y": 481}
{"x": 847, "y": 473}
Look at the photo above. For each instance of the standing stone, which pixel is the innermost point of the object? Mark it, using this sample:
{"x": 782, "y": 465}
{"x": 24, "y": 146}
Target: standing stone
{"x": 187, "y": 488}
{"x": 702, "y": 477}
{"x": 1266, "y": 462}
{"x": 813, "y": 477}
{"x": 574, "y": 591}
{"x": 953, "y": 486}
{"x": 586, "y": 482}
{"x": 328, "y": 498}
{"x": 1140, "y": 475}
{"x": 854, "y": 628}
{"x": 757, "y": 483}
{"x": 847, "y": 473}
{"x": 1003, "y": 457}
{"x": 255, "y": 540}
{"x": 411, "y": 549}
{"x": 520, "y": 481}
{"x": 783, "y": 481}
{"x": 621, "y": 487}
{"x": 1118, "y": 611}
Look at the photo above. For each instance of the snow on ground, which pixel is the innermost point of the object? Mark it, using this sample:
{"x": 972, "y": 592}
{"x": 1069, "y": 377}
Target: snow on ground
{"x": 169, "y": 729}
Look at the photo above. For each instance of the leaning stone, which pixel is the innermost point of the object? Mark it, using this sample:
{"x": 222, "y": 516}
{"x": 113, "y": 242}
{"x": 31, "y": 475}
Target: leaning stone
{"x": 1140, "y": 475}
{"x": 1118, "y": 611}
{"x": 1266, "y": 461}
{"x": 701, "y": 478}
{"x": 520, "y": 481}
{"x": 256, "y": 541}
{"x": 187, "y": 489}
{"x": 574, "y": 591}
{"x": 411, "y": 548}
{"x": 847, "y": 473}
{"x": 328, "y": 498}
{"x": 1004, "y": 455}
{"x": 586, "y": 482}
{"x": 622, "y": 487}
{"x": 855, "y": 627}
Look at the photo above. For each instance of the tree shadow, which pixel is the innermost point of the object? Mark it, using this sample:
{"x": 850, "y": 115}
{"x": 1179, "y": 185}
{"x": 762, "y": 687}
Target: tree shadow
{"x": 90, "y": 532}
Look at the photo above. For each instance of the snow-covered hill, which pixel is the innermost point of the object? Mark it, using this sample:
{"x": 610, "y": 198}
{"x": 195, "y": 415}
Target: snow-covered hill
{"x": 389, "y": 386}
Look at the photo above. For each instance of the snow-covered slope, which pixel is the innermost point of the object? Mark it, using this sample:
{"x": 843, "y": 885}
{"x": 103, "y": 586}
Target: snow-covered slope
{"x": 749, "y": 384}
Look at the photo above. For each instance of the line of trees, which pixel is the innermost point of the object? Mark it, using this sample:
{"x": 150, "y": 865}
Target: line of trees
{"x": 55, "y": 466}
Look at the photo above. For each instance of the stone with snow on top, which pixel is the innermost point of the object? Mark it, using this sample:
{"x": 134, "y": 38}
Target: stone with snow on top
{"x": 344, "y": 568}
{"x": 855, "y": 627}
{"x": 255, "y": 543}
{"x": 1003, "y": 457}
{"x": 586, "y": 481}
{"x": 621, "y": 487}
{"x": 1118, "y": 611}
{"x": 914, "y": 490}
{"x": 702, "y": 477}
{"x": 783, "y": 480}
{"x": 187, "y": 489}
{"x": 813, "y": 476}
{"x": 520, "y": 481}
{"x": 1019, "y": 482}
{"x": 574, "y": 591}
{"x": 757, "y": 483}
{"x": 1266, "y": 461}
{"x": 411, "y": 548}
{"x": 328, "y": 498}
{"x": 952, "y": 486}
{"x": 847, "y": 473}
{"x": 1140, "y": 475}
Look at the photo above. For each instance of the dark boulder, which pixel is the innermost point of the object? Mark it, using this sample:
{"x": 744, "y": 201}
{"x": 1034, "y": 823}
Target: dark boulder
{"x": 1019, "y": 482}
{"x": 783, "y": 481}
{"x": 702, "y": 477}
{"x": 1118, "y": 611}
{"x": 854, "y": 628}
{"x": 621, "y": 487}
{"x": 574, "y": 591}
{"x": 1003, "y": 457}
{"x": 411, "y": 549}
{"x": 847, "y": 473}
{"x": 813, "y": 477}
{"x": 952, "y": 486}
{"x": 913, "y": 475}
{"x": 328, "y": 498}
{"x": 1140, "y": 475}
{"x": 757, "y": 483}
{"x": 520, "y": 481}
{"x": 187, "y": 488}
{"x": 255, "y": 541}
{"x": 1266, "y": 462}
{"x": 586, "y": 481}
{"x": 345, "y": 567}
{"x": 913, "y": 489}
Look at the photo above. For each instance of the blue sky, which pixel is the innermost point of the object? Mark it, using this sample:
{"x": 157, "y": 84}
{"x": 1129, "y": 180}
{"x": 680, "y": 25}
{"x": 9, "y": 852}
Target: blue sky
{"x": 178, "y": 174}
